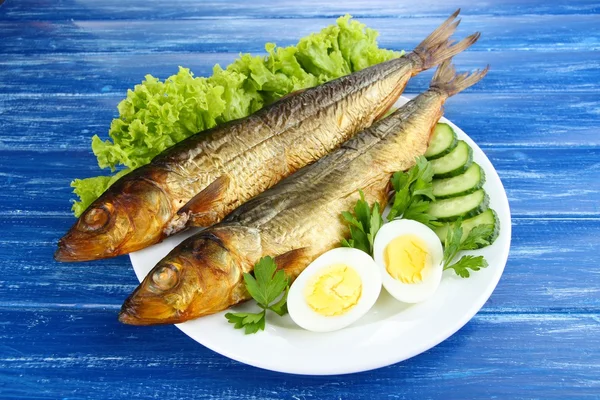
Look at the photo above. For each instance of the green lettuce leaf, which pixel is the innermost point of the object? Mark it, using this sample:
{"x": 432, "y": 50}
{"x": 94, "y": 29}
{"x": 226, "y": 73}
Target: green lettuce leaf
{"x": 155, "y": 115}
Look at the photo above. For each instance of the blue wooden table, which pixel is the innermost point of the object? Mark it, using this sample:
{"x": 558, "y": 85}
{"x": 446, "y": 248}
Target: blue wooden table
{"x": 64, "y": 66}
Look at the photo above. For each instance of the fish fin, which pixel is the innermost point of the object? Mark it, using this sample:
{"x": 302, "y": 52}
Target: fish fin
{"x": 447, "y": 80}
{"x": 294, "y": 261}
{"x": 438, "y": 47}
{"x": 202, "y": 205}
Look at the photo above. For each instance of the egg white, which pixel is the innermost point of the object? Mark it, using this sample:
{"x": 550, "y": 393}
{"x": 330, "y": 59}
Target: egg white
{"x": 369, "y": 274}
{"x": 409, "y": 292}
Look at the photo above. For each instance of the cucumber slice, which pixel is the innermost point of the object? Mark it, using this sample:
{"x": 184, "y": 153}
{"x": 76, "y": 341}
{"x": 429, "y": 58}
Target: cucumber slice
{"x": 454, "y": 163}
{"x": 468, "y": 182}
{"x": 466, "y": 206}
{"x": 442, "y": 142}
{"x": 487, "y": 217}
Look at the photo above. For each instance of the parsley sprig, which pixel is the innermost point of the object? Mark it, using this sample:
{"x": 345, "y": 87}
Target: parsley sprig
{"x": 265, "y": 287}
{"x": 414, "y": 192}
{"x": 413, "y": 195}
{"x": 454, "y": 243}
{"x": 364, "y": 224}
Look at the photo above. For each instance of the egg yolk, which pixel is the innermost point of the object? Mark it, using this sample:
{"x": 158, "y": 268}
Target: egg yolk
{"x": 334, "y": 290}
{"x": 407, "y": 259}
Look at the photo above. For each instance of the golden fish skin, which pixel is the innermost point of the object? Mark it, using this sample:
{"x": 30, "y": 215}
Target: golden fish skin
{"x": 203, "y": 178}
{"x": 296, "y": 221}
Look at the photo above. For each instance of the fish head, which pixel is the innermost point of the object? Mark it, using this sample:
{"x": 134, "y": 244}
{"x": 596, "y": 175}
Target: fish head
{"x": 124, "y": 219}
{"x": 199, "y": 277}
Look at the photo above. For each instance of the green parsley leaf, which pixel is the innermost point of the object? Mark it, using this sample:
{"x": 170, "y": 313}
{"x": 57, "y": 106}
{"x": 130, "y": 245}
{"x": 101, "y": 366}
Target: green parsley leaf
{"x": 251, "y": 322}
{"x": 265, "y": 287}
{"x": 425, "y": 170}
{"x": 254, "y": 323}
{"x": 399, "y": 180}
{"x": 280, "y": 308}
{"x": 417, "y": 206}
{"x": 364, "y": 225}
{"x": 479, "y": 236}
{"x": 358, "y": 237}
{"x": 375, "y": 223}
{"x": 418, "y": 211}
{"x": 453, "y": 244}
{"x": 347, "y": 242}
{"x": 466, "y": 263}
{"x": 266, "y": 284}
{"x": 414, "y": 191}
{"x": 362, "y": 211}
{"x": 236, "y": 318}
{"x": 351, "y": 219}
{"x": 423, "y": 188}
{"x": 359, "y": 240}
{"x": 254, "y": 289}
{"x": 401, "y": 202}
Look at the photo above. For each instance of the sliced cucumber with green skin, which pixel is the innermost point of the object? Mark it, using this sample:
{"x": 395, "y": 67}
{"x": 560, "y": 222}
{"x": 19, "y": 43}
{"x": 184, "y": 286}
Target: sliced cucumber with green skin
{"x": 468, "y": 182}
{"x": 454, "y": 163}
{"x": 466, "y": 206}
{"x": 488, "y": 217}
{"x": 442, "y": 142}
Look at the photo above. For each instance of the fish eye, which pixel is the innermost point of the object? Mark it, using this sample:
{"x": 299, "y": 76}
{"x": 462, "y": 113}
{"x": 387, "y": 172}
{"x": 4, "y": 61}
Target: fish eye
{"x": 95, "y": 219}
{"x": 165, "y": 277}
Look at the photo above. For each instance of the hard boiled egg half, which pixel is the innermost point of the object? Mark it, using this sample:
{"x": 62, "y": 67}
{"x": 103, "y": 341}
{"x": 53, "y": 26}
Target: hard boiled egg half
{"x": 335, "y": 290}
{"x": 409, "y": 256}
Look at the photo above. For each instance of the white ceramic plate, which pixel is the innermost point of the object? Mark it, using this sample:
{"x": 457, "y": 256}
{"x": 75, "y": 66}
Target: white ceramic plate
{"x": 389, "y": 333}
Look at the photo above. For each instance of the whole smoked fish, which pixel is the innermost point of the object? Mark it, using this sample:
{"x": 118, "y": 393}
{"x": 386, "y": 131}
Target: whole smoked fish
{"x": 295, "y": 221}
{"x": 203, "y": 178}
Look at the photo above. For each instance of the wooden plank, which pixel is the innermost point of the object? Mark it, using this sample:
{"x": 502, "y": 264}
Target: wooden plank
{"x": 113, "y": 74}
{"x": 52, "y": 123}
{"x": 552, "y": 268}
{"x": 25, "y": 10}
{"x": 66, "y": 64}
{"x": 88, "y": 354}
{"x": 563, "y": 182}
{"x": 517, "y": 33}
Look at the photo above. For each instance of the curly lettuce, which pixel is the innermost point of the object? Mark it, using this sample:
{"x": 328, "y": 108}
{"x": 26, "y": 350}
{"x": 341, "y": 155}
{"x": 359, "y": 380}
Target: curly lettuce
{"x": 156, "y": 114}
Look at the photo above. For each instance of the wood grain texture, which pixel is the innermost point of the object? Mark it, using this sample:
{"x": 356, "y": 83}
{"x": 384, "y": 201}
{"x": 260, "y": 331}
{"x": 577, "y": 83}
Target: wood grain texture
{"x": 64, "y": 66}
{"x": 26, "y": 10}
{"x": 514, "y": 33}
{"x": 109, "y": 74}
{"x": 518, "y": 356}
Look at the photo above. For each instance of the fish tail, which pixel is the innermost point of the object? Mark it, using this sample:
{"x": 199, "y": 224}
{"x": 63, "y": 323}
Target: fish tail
{"x": 447, "y": 80}
{"x": 438, "y": 47}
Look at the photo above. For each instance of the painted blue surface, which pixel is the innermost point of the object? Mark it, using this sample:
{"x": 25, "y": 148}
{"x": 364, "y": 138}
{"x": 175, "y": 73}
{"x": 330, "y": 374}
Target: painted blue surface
{"x": 64, "y": 65}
